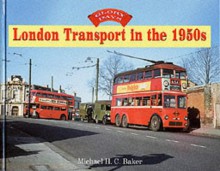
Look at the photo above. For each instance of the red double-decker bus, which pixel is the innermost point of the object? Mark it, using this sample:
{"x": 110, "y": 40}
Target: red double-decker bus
{"x": 153, "y": 96}
{"x": 51, "y": 105}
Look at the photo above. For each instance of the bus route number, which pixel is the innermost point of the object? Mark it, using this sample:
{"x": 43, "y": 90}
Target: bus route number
{"x": 188, "y": 34}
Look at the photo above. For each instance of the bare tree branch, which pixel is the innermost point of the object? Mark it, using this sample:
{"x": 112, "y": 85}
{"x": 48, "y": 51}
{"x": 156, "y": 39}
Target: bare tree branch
{"x": 203, "y": 67}
{"x": 109, "y": 68}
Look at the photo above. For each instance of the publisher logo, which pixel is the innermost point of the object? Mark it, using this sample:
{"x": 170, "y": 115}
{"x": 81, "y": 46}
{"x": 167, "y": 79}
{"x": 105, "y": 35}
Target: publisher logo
{"x": 110, "y": 14}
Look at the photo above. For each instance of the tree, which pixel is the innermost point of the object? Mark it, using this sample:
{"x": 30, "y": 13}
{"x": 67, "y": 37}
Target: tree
{"x": 108, "y": 69}
{"x": 203, "y": 66}
{"x": 111, "y": 66}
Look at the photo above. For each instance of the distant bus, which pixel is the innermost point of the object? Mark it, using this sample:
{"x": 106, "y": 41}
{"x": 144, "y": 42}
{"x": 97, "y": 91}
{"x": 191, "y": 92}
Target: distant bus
{"x": 153, "y": 96}
{"x": 53, "y": 105}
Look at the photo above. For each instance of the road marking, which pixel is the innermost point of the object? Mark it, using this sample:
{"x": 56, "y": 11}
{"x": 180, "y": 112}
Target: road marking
{"x": 196, "y": 145}
{"x": 134, "y": 133}
{"x": 108, "y": 129}
{"x": 172, "y": 140}
{"x": 120, "y": 131}
{"x": 151, "y": 137}
{"x": 97, "y": 127}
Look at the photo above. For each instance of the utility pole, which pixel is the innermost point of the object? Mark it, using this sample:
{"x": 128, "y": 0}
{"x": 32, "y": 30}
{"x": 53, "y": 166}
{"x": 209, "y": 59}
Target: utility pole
{"x": 97, "y": 79}
{"x": 92, "y": 94}
{"x": 51, "y": 83}
{"x": 29, "y": 93}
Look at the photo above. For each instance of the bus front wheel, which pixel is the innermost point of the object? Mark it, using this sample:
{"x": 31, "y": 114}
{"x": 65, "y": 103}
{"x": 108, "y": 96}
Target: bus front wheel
{"x": 117, "y": 120}
{"x": 155, "y": 123}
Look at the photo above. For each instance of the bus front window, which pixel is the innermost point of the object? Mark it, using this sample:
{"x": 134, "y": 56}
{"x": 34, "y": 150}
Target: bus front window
{"x": 169, "y": 101}
{"x": 182, "y": 102}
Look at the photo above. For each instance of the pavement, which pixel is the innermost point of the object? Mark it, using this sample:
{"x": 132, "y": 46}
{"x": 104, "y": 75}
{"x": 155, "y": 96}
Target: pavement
{"x": 206, "y": 131}
{"x": 26, "y": 153}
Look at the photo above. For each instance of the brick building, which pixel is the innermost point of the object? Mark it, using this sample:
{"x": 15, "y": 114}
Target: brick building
{"x": 204, "y": 105}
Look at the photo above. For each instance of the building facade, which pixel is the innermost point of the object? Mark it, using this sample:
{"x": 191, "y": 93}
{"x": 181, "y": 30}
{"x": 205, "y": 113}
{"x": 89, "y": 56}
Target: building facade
{"x": 204, "y": 105}
{"x": 16, "y": 91}
{"x": 17, "y": 96}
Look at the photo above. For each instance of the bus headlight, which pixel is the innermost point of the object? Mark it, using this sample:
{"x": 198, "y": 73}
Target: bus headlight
{"x": 166, "y": 117}
{"x": 184, "y": 85}
{"x": 185, "y": 118}
{"x": 166, "y": 83}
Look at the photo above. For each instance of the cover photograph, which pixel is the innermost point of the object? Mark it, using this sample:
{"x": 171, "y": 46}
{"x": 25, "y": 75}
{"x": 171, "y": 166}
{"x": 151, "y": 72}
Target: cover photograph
{"x": 109, "y": 85}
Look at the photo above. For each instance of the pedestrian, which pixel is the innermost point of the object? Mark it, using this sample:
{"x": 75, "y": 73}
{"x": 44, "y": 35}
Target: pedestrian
{"x": 89, "y": 113}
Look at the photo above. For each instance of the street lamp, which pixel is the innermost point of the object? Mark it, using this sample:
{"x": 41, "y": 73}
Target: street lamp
{"x": 29, "y": 93}
{"x": 89, "y": 59}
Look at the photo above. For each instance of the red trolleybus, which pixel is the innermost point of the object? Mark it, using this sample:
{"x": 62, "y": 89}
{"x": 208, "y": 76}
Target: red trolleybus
{"x": 49, "y": 104}
{"x": 153, "y": 96}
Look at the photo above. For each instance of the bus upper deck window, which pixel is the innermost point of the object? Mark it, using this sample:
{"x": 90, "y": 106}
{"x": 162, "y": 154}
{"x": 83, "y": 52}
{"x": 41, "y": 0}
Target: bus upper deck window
{"x": 50, "y": 96}
{"x": 56, "y": 97}
{"x": 140, "y": 76}
{"x": 157, "y": 73}
{"x": 181, "y": 75}
{"x": 126, "y": 78}
{"x": 118, "y": 80}
{"x": 148, "y": 74}
{"x": 38, "y": 94}
{"x": 44, "y": 95}
{"x": 168, "y": 73}
{"x": 133, "y": 77}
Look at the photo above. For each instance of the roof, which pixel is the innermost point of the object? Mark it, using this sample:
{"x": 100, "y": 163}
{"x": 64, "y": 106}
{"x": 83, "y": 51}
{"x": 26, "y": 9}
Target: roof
{"x": 158, "y": 65}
